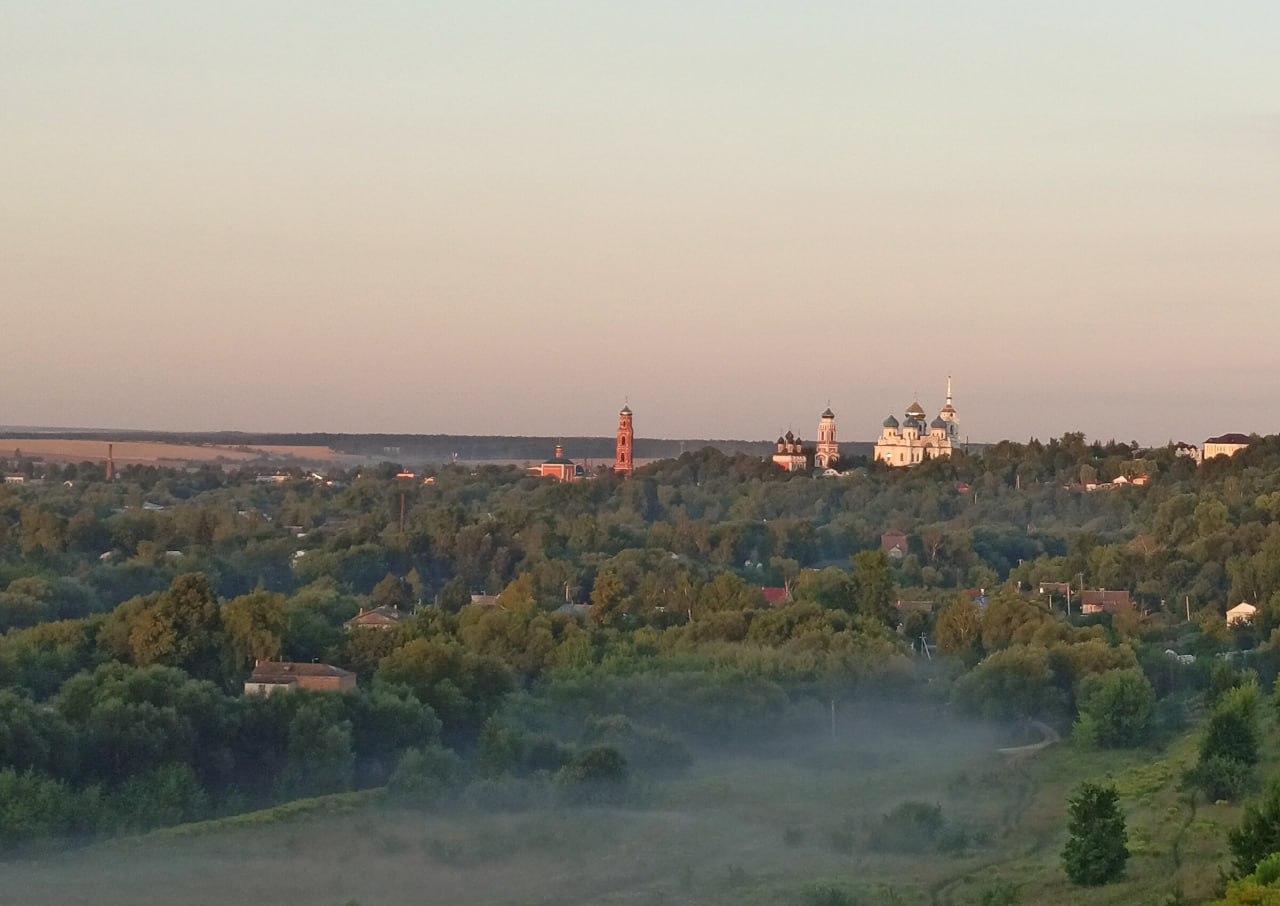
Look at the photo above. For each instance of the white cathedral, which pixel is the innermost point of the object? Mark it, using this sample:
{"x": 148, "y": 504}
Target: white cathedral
{"x": 911, "y": 441}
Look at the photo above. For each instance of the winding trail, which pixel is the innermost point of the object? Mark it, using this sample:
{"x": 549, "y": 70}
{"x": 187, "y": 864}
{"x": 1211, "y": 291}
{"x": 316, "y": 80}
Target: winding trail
{"x": 1050, "y": 737}
{"x": 940, "y": 893}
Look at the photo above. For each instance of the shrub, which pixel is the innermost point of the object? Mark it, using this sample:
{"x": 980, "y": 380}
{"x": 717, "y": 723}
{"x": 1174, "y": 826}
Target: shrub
{"x": 505, "y": 750}
{"x": 1002, "y": 893}
{"x": 597, "y": 775}
{"x": 33, "y": 807}
{"x": 912, "y": 827}
{"x": 1220, "y": 778}
{"x": 827, "y": 895}
{"x": 426, "y": 776}
{"x": 645, "y": 748}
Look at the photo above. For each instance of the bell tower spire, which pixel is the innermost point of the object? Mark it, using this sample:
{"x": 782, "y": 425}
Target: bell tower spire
{"x": 624, "y": 462}
{"x": 828, "y": 451}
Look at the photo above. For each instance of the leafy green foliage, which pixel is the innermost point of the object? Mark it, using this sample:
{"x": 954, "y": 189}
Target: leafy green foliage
{"x": 1116, "y": 708}
{"x": 1229, "y": 745}
{"x": 1260, "y": 888}
{"x": 594, "y": 776}
{"x": 1258, "y": 834}
{"x": 1015, "y": 682}
{"x": 135, "y": 609}
{"x": 1097, "y": 845}
{"x": 915, "y": 827}
{"x": 425, "y": 776}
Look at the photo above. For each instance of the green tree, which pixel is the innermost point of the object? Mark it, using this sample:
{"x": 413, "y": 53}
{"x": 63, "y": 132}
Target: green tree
{"x": 1009, "y": 618}
{"x": 1260, "y": 888}
{"x": 320, "y": 756}
{"x": 1232, "y": 731}
{"x": 874, "y": 589}
{"x": 1097, "y": 844}
{"x": 959, "y": 629}
{"x": 391, "y": 591}
{"x": 1014, "y": 682}
{"x": 425, "y": 776}
{"x": 609, "y": 600}
{"x": 454, "y": 595}
{"x": 1116, "y": 708}
{"x": 183, "y": 628}
{"x": 519, "y": 596}
{"x": 256, "y": 624}
{"x": 1258, "y": 834}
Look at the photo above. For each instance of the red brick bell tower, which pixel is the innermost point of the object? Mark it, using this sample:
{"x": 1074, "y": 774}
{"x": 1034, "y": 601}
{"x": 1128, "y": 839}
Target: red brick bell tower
{"x": 624, "y": 464}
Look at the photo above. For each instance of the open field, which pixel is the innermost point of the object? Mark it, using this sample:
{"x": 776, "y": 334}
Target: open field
{"x": 154, "y": 453}
{"x": 785, "y": 827}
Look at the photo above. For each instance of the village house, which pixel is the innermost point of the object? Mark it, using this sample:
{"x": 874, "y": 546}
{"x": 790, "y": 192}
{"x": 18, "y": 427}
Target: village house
{"x": 1101, "y": 600}
{"x": 894, "y": 544}
{"x": 776, "y": 597}
{"x": 270, "y": 677}
{"x": 384, "y": 617}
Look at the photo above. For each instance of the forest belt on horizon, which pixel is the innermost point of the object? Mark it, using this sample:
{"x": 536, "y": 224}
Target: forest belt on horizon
{"x": 713, "y": 682}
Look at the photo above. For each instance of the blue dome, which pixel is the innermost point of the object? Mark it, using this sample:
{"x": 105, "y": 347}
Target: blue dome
{"x": 891, "y": 422}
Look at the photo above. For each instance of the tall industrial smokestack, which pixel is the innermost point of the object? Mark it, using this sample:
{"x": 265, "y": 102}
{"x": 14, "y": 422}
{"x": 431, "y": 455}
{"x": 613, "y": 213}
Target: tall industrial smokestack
{"x": 111, "y": 462}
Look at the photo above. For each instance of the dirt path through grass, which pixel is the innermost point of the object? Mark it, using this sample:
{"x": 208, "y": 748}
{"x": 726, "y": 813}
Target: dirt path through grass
{"x": 940, "y": 894}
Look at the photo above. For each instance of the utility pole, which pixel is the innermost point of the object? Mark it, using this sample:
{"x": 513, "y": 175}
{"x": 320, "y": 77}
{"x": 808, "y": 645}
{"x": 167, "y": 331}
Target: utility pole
{"x": 1188, "y": 608}
{"x": 402, "y": 512}
{"x": 833, "y": 720}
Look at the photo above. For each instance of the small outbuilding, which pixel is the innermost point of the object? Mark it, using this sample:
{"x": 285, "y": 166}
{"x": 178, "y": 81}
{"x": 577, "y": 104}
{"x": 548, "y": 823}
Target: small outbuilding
{"x": 1243, "y": 612}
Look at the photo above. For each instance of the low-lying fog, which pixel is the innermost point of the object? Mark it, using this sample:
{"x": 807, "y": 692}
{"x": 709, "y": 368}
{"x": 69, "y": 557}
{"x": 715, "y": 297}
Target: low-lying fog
{"x": 896, "y": 798}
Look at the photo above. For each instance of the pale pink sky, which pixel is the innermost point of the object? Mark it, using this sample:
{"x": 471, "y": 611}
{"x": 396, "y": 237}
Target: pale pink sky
{"x": 506, "y": 217}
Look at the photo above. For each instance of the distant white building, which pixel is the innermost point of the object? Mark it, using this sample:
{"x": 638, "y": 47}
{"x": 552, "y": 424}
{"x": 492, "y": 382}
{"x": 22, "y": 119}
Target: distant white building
{"x": 1190, "y": 451}
{"x": 912, "y": 441}
{"x": 1225, "y": 445}
{"x": 1243, "y": 612}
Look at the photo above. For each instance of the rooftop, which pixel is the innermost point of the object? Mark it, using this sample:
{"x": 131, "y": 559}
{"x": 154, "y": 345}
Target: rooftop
{"x": 289, "y": 671}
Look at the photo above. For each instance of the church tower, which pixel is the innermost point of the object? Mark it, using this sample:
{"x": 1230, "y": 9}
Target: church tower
{"x": 949, "y": 416}
{"x": 828, "y": 453}
{"x": 624, "y": 463}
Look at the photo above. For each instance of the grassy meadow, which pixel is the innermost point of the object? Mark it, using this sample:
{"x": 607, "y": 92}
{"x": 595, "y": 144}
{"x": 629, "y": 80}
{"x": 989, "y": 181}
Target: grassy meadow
{"x": 782, "y": 821}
